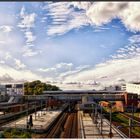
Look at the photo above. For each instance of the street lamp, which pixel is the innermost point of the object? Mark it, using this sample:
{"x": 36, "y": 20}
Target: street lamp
{"x": 95, "y": 114}
{"x": 131, "y": 122}
{"x": 110, "y": 118}
{"x": 35, "y": 107}
{"x": 27, "y": 113}
{"x": 41, "y": 107}
{"x": 132, "y": 109}
{"x": 101, "y": 116}
{"x": 130, "y": 127}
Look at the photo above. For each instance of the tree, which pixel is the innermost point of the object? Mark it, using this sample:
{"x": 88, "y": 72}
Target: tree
{"x": 37, "y": 87}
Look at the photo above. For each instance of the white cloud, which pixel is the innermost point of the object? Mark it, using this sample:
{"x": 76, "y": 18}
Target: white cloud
{"x": 58, "y": 68}
{"x": 27, "y": 19}
{"x": 8, "y": 56}
{"x": 129, "y": 51}
{"x": 47, "y": 69}
{"x": 66, "y": 65}
{"x": 6, "y": 78}
{"x": 123, "y": 65}
{"x": 127, "y": 69}
{"x": 54, "y": 73}
{"x": 6, "y": 28}
{"x": 6, "y": 71}
{"x": 30, "y": 37}
{"x": 131, "y": 16}
{"x": 103, "y": 12}
{"x": 135, "y": 39}
{"x": 29, "y": 52}
{"x": 26, "y": 24}
{"x": 19, "y": 64}
{"x": 2, "y": 62}
{"x": 73, "y": 71}
{"x": 82, "y": 5}
{"x": 62, "y": 70}
{"x": 64, "y": 17}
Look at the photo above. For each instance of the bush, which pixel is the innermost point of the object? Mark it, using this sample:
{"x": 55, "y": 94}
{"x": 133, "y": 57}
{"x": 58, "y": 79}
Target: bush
{"x": 14, "y": 133}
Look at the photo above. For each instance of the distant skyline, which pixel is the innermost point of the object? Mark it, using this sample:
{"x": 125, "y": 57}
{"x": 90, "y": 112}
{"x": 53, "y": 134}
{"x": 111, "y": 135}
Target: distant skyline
{"x": 70, "y": 42}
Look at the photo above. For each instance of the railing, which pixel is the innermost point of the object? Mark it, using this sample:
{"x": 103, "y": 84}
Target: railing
{"x": 81, "y": 125}
{"x": 114, "y": 128}
{"x": 101, "y": 118}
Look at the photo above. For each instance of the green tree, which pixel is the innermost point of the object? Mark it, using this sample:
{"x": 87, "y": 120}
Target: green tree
{"x": 37, "y": 87}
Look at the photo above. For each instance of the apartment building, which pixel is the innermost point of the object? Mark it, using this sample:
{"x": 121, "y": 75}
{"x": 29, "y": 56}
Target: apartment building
{"x": 133, "y": 88}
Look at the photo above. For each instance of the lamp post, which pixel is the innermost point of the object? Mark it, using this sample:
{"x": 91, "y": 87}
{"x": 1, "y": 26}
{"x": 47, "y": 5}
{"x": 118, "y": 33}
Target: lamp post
{"x": 27, "y": 113}
{"x": 35, "y": 109}
{"x": 69, "y": 104}
{"x": 131, "y": 120}
{"x": 41, "y": 107}
{"x": 110, "y": 118}
{"x": 132, "y": 109}
{"x": 95, "y": 115}
{"x": 101, "y": 119}
{"x": 130, "y": 127}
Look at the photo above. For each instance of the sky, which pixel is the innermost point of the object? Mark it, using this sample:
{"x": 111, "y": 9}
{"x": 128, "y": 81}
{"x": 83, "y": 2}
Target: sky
{"x": 83, "y": 43}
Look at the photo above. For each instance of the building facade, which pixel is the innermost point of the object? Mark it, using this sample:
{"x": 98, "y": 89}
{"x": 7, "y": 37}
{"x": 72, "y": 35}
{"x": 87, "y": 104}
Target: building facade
{"x": 133, "y": 88}
{"x": 2, "y": 89}
{"x": 13, "y": 89}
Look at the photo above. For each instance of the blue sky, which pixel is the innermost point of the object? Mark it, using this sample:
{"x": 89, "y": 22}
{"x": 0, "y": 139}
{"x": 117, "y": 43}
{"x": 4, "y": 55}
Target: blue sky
{"x": 70, "y": 41}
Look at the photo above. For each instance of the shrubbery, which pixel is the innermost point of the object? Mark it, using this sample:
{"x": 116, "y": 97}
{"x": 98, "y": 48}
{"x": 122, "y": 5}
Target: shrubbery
{"x": 14, "y": 133}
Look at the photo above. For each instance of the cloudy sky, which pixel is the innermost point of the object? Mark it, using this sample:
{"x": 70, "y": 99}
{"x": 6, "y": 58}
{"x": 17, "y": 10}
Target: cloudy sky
{"x": 70, "y": 42}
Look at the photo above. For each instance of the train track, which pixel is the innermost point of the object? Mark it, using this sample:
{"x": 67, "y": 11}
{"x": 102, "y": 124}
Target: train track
{"x": 56, "y": 128}
{"x": 65, "y": 126}
{"x": 71, "y": 127}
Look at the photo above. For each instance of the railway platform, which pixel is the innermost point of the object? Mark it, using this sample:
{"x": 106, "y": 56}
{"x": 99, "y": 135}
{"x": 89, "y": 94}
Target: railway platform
{"x": 41, "y": 120}
{"x": 89, "y": 129}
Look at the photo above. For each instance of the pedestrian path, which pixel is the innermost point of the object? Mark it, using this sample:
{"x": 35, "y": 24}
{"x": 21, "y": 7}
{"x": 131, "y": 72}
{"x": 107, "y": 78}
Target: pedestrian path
{"x": 92, "y": 129}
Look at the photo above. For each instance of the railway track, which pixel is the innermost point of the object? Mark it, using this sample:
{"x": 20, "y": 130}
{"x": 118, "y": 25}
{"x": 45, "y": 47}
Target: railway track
{"x": 65, "y": 126}
{"x": 71, "y": 127}
{"x": 56, "y": 128}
